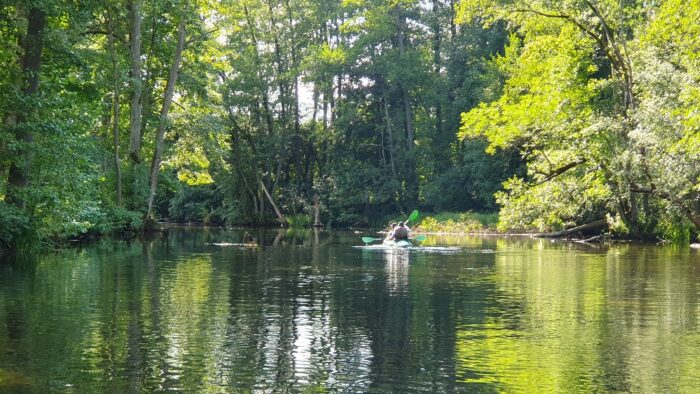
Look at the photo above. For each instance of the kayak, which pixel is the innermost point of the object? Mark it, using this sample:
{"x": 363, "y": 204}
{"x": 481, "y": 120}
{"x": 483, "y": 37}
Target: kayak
{"x": 398, "y": 244}
{"x": 246, "y": 245}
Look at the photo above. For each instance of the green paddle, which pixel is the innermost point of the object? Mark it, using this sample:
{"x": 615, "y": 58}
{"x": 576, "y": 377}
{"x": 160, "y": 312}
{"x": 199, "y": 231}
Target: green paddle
{"x": 413, "y": 216}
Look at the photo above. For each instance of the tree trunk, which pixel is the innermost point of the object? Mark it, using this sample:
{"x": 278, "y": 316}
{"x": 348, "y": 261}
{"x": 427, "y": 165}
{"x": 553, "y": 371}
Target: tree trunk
{"x": 147, "y": 80}
{"x": 280, "y": 216}
{"x": 115, "y": 110}
{"x": 163, "y": 121}
{"x": 325, "y": 37}
{"x": 411, "y": 189}
{"x": 135, "y": 82}
{"x": 258, "y": 63}
{"x": 33, "y": 46}
{"x": 314, "y": 113}
{"x": 283, "y": 89}
{"x": 391, "y": 137}
{"x": 453, "y": 26}
{"x": 295, "y": 90}
{"x": 440, "y": 142}
{"x": 317, "y": 212}
{"x": 10, "y": 118}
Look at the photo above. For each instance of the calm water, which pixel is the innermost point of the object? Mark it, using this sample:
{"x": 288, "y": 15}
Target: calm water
{"x": 311, "y": 313}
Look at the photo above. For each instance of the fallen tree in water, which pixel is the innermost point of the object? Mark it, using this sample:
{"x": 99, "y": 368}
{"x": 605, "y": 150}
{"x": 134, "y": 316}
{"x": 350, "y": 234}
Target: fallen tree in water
{"x": 602, "y": 223}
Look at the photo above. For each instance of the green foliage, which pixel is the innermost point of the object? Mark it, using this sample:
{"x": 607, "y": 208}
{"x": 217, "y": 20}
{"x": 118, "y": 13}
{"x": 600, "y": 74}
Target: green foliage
{"x": 552, "y": 205}
{"x": 595, "y": 143}
{"x": 473, "y": 181}
{"x": 374, "y": 106}
{"x": 300, "y": 220}
{"x": 195, "y": 204}
{"x": 15, "y": 228}
{"x": 676, "y": 230}
{"x": 449, "y": 222}
{"x": 121, "y": 220}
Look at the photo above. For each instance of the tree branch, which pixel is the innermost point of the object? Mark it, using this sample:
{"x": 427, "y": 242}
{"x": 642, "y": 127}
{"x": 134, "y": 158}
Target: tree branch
{"x": 103, "y": 33}
{"x": 589, "y": 226}
{"x": 598, "y": 39}
{"x": 558, "y": 171}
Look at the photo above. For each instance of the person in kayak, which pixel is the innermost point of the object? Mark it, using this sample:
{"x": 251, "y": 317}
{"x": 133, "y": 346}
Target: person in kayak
{"x": 390, "y": 233}
{"x": 248, "y": 239}
{"x": 400, "y": 233}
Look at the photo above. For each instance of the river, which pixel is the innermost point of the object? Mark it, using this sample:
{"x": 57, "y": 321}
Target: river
{"x": 312, "y": 312}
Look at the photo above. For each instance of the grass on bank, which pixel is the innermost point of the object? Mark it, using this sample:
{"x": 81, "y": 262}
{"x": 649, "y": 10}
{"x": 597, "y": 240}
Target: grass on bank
{"x": 299, "y": 220}
{"x": 455, "y": 222}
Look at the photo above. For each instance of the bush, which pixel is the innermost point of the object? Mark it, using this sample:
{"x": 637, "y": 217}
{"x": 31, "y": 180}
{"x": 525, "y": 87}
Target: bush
{"x": 678, "y": 231}
{"x": 196, "y": 204}
{"x": 121, "y": 220}
{"x": 299, "y": 220}
{"x": 449, "y": 222}
{"x": 15, "y": 227}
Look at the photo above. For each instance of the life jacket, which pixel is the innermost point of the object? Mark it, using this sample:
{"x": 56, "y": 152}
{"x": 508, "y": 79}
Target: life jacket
{"x": 400, "y": 233}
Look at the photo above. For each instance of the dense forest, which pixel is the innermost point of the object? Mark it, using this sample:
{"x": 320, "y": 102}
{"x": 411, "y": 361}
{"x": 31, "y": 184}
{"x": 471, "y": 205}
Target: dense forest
{"x": 556, "y": 114}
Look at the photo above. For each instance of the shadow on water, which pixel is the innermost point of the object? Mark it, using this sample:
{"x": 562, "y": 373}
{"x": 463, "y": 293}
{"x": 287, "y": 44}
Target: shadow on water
{"x": 195, "y": 310}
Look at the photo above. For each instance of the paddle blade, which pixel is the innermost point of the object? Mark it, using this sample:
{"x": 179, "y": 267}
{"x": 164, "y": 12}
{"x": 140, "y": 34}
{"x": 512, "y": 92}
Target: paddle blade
{"x": 413, "y": 216}
{"x": 369, "y": 239}
{"x": 421, "y": 237}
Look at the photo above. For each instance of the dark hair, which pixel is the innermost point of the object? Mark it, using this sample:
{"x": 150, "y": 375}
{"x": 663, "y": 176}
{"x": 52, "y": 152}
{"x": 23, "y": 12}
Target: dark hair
{"x": 400, "y": 224}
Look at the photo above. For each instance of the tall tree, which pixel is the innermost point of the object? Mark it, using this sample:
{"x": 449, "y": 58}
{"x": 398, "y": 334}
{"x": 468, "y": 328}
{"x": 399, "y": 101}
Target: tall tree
{"x": 115, "y": 104}
{"x": 165, "y": 109}
{"x": 32, "y": 46}
{"x": 136, "y": 82}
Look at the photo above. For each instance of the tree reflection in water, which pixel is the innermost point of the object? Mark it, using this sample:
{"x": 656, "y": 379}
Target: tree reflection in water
{"x": 306, "y": 312}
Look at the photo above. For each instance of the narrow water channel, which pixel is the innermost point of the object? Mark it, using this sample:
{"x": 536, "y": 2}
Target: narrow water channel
{"x": 312, "y": 312}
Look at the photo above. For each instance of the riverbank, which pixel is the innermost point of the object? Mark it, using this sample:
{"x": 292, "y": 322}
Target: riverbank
{"x": 122, "y": 223}
{"x": 474, "y": 223}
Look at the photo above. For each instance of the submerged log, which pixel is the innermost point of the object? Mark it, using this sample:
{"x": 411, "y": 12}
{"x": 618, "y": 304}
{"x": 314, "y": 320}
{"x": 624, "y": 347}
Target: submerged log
{"x": 590, "y": 226}
{"x": 595, "y": 238}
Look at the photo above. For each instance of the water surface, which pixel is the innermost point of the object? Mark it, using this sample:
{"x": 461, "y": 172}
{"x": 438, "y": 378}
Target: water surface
{"x": 308, "y": 312}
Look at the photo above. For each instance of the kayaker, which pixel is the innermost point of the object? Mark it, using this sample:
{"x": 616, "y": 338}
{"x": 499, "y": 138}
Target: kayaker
{"x": 248, "y": 239}
{"x": 390, "y": 233}
{"x": 400, "y": 233}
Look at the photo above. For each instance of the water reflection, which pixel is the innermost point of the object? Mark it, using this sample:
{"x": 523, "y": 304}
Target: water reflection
{"x": 306, "y": 312}
{"x": 396, "y": 266}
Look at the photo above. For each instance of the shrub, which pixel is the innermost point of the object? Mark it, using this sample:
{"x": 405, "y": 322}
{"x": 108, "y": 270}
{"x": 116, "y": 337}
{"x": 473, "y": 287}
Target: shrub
{"x": 678, "y": 231}
{"x": 122, "y": 220}
{"x": 450, "y": 222}
{"x": 15, "y": 227}
{"x": 299, "y": 220}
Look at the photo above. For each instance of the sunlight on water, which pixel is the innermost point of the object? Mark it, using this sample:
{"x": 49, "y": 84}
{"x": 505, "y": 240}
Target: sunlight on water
{"x": 309, "y": 312}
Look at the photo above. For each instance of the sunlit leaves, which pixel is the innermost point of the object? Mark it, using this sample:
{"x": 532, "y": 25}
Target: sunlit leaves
{"x": 561, "y": 106}
{"x": 675, "y": 34}
{"x": 544, "y": 98}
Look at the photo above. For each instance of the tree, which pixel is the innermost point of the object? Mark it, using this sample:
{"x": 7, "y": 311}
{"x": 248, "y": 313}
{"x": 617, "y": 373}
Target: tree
{"x": 30, "y": 64}
{"x": 163, "y": 121}
{"x": 579, "y": 127}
